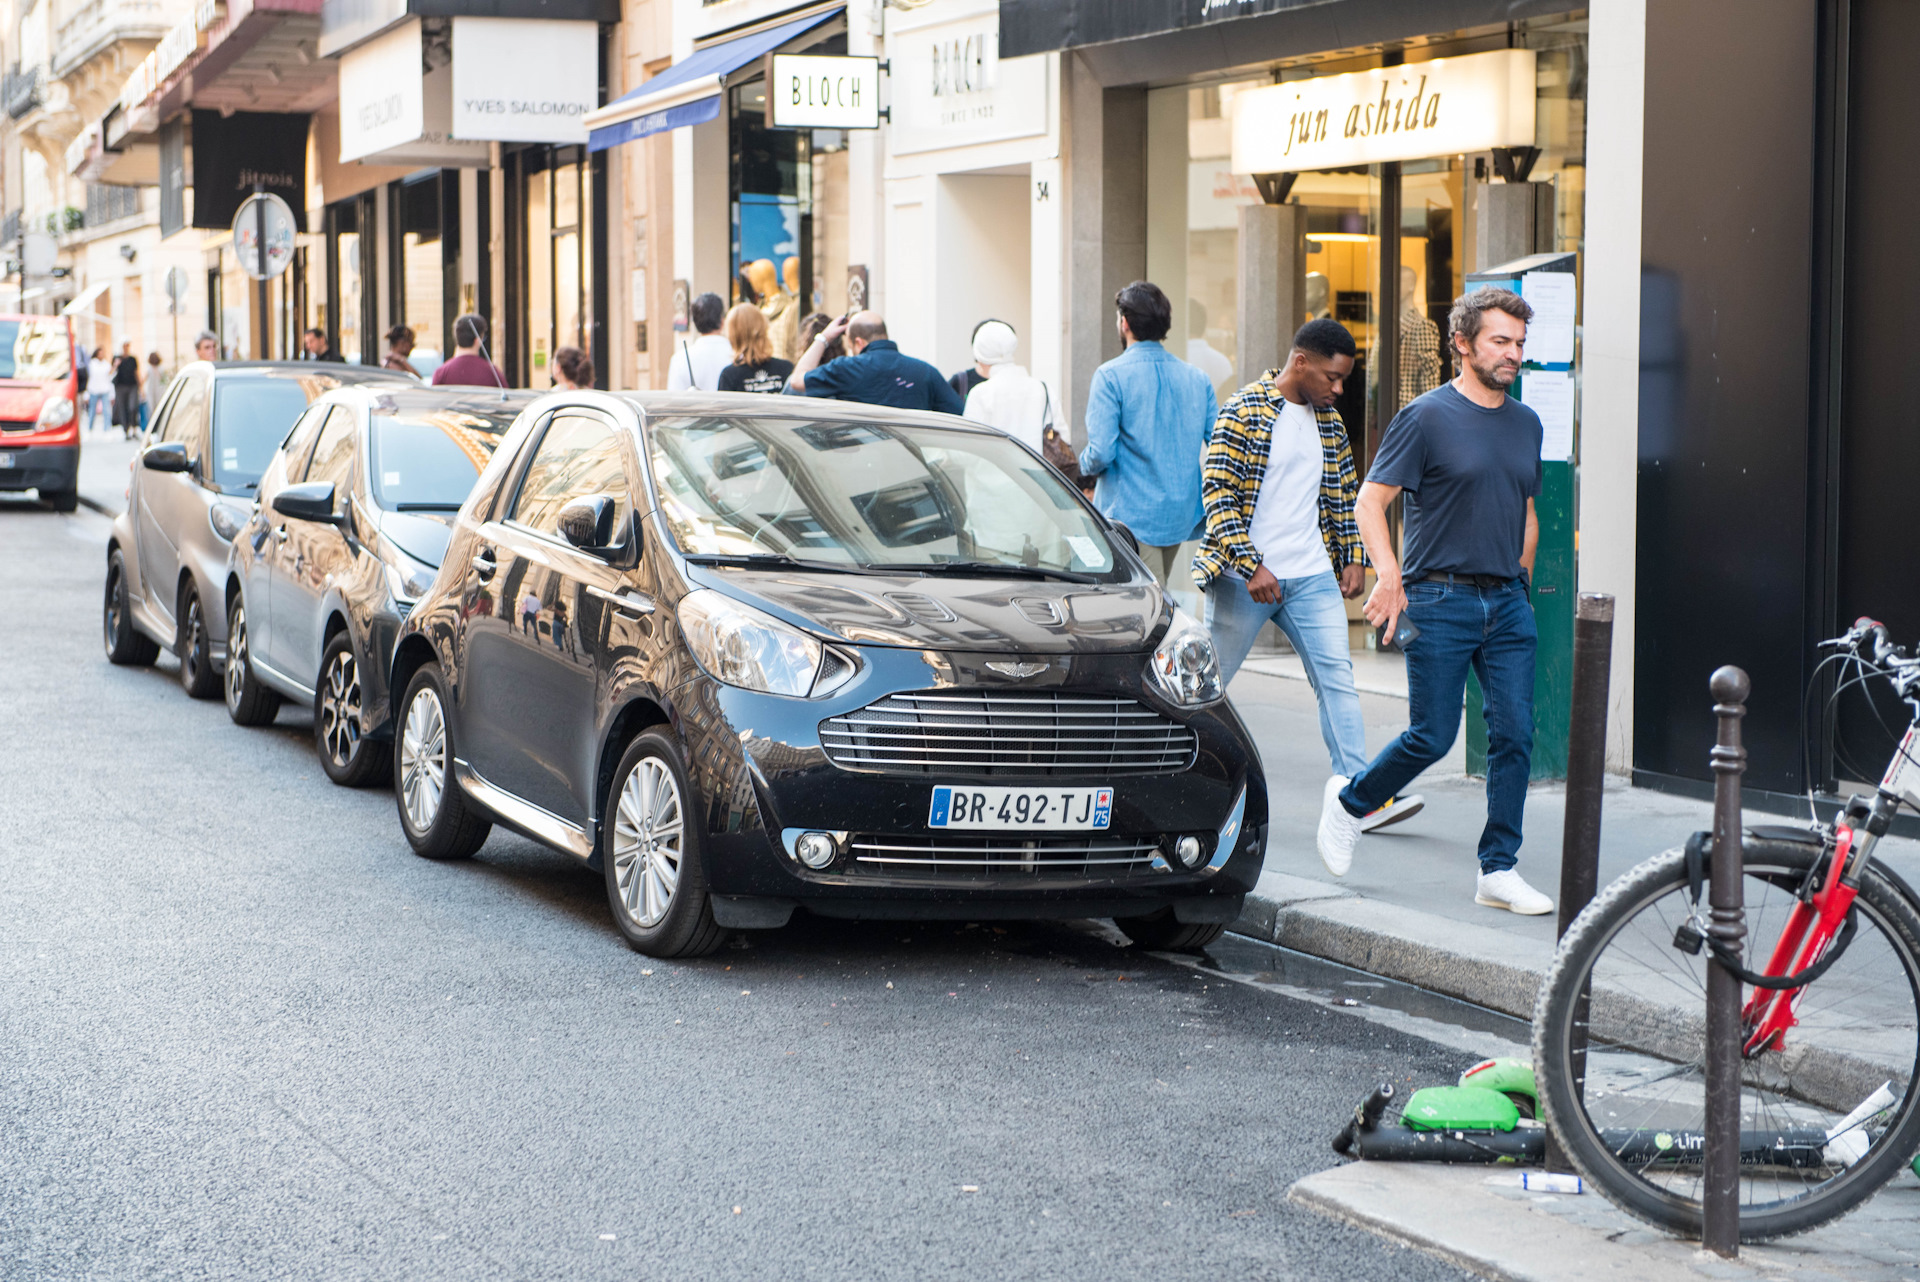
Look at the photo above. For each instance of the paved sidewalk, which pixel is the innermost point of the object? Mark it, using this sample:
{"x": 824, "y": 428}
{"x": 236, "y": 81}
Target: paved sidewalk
{"x": 1485, "y": 1223}
{"x": 105, "y": 458}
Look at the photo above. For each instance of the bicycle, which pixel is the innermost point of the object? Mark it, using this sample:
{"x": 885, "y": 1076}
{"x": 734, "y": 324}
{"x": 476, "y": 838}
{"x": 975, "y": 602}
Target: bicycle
{"x": 1830, "y": 1079}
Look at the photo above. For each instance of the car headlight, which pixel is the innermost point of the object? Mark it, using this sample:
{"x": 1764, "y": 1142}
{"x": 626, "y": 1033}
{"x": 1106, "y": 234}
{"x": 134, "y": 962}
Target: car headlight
{"x": 407, "y": 579}
{"x": 57, "y": 412}
{"x": 1185, "y": 667}
{"x": 740, "y": 646}
{"x": 227, "y": 520}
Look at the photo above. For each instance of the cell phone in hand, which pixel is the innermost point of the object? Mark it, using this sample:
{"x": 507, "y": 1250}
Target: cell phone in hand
{"x": 1406, "y": 632}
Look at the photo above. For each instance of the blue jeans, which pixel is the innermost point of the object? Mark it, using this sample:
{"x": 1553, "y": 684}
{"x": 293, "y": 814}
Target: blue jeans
{"x": 1314, "y": 617}
{"x": 100, "y": 409}
{"x": 1491, "y": 630}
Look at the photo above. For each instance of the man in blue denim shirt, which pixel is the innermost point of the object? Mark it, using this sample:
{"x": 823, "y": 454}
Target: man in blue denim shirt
{"x": 1149, "y": 415}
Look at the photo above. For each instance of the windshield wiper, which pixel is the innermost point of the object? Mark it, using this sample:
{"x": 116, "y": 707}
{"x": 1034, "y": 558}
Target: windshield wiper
{"x": 982, "y": 569}
{"x": 426, "y": 507}
{"x": 772, "y": 560}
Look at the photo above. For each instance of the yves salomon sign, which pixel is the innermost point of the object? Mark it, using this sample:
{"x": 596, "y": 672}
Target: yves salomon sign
{"x": 520, "y": 80}
{"x": 1438, "y": 108}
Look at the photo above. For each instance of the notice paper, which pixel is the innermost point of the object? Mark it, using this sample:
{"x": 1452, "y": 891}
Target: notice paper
{"x": 1550, "y": 334}
{"x": 1549, "y": 393}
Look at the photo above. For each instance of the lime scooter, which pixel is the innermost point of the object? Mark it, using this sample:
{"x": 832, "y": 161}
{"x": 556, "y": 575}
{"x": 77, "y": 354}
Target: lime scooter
{"x": 1490, "y": 1118}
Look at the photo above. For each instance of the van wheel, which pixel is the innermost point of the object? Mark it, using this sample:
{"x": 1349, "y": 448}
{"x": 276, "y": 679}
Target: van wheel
{"x": 650, "y": 850}
{"x": 439, "y": 821}
{"x": 126, "y": 644}
{"x": 197, "y": 676}
{"x": 61, "y": 500}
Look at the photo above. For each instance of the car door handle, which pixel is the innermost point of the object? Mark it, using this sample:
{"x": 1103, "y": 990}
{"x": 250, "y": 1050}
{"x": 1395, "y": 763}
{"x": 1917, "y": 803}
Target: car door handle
{"x": 632, "y": 602}
{"x": 484, "y": 565}
{"x": 280, "y": 533}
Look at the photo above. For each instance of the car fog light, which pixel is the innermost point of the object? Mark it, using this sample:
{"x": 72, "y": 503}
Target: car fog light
{"x": 816, "y": 849}
{"x": 1187, "y": 850}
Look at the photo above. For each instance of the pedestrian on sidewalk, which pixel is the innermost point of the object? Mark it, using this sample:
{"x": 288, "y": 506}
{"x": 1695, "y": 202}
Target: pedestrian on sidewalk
{"x": 755, "y": 368}
{"x": 1467, "y": 456}
{"x": 151, "y": 388}
{"x": 315, "y": 347}
{"x": 99, "y": 391}
{"x": 1149, "y": 414}
{"x": 469, "y": 368}
{"x": 1282, "y": 544}
{"x": 399, "y": 346}
{"x": 877, "y": 372}
{"x": 572, "y": 370}
{"x": 697, "y": 365}
{"x": 207, "y": 346}
{"x": 126, "y": 391}
{"x": 1008, "y": 398}
{"x": 964, "y": 381}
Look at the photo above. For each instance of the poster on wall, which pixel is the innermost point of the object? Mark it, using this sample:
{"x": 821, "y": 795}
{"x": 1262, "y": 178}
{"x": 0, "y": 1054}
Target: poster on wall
{"x": 233, "y": 156}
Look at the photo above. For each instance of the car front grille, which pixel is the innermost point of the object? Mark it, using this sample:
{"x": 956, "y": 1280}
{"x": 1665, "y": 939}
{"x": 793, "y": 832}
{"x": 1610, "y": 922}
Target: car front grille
{"x": 947, "y": 855}
{"x": 1026, "y": 733}
{"x": 18, "y": 425}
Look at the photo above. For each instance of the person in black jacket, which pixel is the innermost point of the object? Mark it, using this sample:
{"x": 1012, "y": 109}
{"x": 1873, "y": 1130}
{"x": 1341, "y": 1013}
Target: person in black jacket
{"x": 126, "y": 391}
{"x": 755, "y": 368}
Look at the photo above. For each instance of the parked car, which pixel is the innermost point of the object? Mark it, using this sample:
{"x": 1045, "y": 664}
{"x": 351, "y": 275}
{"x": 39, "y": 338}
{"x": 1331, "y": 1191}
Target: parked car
{"x": 40, "y": 409}
{"x": 745, "y": 657}
{"x": 352, "y": 521}
{"x": 191, "y": 492}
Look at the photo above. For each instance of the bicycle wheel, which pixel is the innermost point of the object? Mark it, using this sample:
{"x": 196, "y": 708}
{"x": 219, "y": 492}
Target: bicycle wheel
{"x": 1632, "y": 1121}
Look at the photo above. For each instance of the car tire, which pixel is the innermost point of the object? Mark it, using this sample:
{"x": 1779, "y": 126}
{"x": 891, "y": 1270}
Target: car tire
{"x": 651, "y": 853}
{"x": 197, "y": 676}
{"x": 61, "y": 500}
{"x": 126, "y": 645}
{"x": 1163, "y": 932}
{"x": 439, "y": 821}
{"x": 349, "y": 757}
{"x": 249, "y": 703}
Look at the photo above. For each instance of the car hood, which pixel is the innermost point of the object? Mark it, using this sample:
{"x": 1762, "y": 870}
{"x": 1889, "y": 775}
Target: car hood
{"x": 421, "y": 535}
{"x": 21, "y": 402}
{"x": 1020, "y": 615}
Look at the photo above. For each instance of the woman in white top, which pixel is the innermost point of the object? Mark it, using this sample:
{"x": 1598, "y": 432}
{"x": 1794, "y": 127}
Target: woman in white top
{"x": 1011, "y": 399}
{"x": 99, "y": 390}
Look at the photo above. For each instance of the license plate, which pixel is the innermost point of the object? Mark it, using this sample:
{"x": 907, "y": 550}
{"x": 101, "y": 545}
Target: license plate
{"x": 1057, "y": 809}
{"x": 6, "y": 460}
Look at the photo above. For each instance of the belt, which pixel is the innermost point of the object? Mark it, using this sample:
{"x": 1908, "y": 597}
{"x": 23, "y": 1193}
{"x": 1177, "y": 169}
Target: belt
{"x": 1476, "y": 580}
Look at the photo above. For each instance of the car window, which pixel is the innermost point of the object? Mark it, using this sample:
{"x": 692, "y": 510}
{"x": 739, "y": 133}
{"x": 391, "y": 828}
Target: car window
{"x": 250, "y": 419}
{"x": 299, "y": 440}
{"x": 34, "y": 350}
{"x": 578, "y": 457}
{"x": 333, "y": 454}
{"x": 187, "y": 419}
{"x": 430, "y": 461}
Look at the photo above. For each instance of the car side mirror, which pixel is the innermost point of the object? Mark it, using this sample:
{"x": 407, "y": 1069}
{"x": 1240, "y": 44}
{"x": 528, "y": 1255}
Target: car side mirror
{"x": 168, "y": 456}
{"x": 312, "y": 501}
{"x": 588, "y": 523}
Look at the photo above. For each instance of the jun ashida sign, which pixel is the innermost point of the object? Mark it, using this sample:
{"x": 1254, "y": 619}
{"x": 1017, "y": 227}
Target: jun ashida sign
{"x": 1438, "y": 108}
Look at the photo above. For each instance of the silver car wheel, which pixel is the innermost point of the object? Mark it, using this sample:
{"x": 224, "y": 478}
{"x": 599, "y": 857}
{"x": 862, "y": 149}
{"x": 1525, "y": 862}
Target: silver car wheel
{"x": 236, "y": 657}
{"x": 339, "y": 708}
{"x": 423, "y": 759}
{"x": 648, "y": 841}
{"x": 116, "y": 591}
{"x": 192, "y": 643}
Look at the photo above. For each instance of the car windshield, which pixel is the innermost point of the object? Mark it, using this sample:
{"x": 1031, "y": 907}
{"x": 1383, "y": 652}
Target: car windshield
{"x": 429, "y": 461}
{"x": 33, "y": 351}
{"x": 251, "y": 416}
{"x": 869, "y": 495}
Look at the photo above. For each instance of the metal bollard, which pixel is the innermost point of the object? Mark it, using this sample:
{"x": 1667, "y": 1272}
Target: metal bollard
{"x": 1720, "y": 1188}
{"x": 1586, "y": 776}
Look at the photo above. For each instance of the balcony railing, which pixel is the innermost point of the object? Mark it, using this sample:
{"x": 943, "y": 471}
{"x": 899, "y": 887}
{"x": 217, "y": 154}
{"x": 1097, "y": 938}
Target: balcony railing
{"x": 21, "y": 90}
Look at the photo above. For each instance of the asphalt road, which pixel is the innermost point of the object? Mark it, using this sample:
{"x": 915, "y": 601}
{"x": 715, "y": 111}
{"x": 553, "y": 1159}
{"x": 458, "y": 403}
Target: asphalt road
{"x": 244, "y": 1033}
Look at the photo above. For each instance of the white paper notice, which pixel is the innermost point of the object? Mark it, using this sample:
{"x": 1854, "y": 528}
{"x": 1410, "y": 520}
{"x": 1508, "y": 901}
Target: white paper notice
{"x": 1549, "y": 393}
{"x": 1550, "y": 336}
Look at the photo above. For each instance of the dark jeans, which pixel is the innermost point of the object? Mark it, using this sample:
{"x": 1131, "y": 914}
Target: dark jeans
{"x": 1491, "y": 630}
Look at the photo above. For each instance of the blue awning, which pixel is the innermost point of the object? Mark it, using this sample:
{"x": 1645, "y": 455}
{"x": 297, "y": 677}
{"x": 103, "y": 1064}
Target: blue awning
{"x": 689, "y": 92}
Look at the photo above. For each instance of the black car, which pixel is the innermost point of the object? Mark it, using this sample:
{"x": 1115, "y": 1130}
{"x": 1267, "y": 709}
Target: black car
{"x": 747, "y": 656}
{"x": 351, "y": 522}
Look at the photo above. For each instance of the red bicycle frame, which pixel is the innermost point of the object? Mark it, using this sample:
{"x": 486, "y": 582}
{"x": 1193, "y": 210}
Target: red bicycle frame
{"x": 1809, "y": 929}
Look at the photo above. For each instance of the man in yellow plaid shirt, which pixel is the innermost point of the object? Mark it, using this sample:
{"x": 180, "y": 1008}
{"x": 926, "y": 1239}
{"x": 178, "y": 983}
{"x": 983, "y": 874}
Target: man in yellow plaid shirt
{"x": 1279, "y": 486}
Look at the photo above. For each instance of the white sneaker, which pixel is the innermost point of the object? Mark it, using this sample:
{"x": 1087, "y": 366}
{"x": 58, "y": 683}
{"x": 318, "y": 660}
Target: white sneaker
{"x": 1338, "y": 829}
{"x": 1509, "y": 890}
{"x": 1397, "y": 810}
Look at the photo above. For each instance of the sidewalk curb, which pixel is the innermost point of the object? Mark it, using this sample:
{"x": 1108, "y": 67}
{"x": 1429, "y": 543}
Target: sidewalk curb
{"x": 95, "y": 505}
{"x": 1307, "y": 1194}
{"x": 1481, "y": 965}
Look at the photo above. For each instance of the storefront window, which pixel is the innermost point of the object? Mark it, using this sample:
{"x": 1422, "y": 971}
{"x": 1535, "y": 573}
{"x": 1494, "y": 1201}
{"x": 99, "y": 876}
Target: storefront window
{"x": 558, "y": 196}
{"x": 421, "y": 302}
{"x": 346, "y": 285}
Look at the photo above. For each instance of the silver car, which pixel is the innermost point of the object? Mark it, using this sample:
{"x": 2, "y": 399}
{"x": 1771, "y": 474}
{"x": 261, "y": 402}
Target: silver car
{"x": 192, "y": 490}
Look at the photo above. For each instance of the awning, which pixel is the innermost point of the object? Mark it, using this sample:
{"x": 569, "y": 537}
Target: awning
{"x": 85, "y": 297}
{"x": 689, "y": 92}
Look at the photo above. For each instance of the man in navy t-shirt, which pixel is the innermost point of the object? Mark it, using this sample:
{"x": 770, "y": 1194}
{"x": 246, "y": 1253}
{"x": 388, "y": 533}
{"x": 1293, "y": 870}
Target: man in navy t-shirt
{"x": 1467, "y": 456}
{"x": 877, "y": 372}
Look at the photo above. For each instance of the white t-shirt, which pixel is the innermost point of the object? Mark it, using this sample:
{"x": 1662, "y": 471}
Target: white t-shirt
{"x": 698, "y": 364}
{"x": 1012, "y": 400}
{"x": 1286, "y": 516}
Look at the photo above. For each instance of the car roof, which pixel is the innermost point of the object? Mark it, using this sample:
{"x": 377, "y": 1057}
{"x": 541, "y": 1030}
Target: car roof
{"x": 412, "y": 398}
{"x": 341, "y": 374}
{"x": 801, "y": 409}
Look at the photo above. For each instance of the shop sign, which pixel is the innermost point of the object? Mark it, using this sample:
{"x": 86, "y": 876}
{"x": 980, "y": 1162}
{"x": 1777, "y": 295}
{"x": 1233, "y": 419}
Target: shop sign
{"x": 1444, "y": 107}
{"x": 809, "y": 91}
{"x": 522, "y": 80}
{"x": 950, "y": 88}
{"x": 186, "y": 38}
{"x": 237, "y": 155}
{"x": 396, "y": 102}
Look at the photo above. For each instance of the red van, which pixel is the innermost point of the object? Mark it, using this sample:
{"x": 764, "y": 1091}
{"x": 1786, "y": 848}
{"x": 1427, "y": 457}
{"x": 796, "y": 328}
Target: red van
{"x": 40, "y": 409}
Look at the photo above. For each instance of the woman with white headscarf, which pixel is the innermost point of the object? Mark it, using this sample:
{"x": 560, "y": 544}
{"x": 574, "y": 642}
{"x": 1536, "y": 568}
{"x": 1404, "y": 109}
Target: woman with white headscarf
{"x": 1011, "y": 399}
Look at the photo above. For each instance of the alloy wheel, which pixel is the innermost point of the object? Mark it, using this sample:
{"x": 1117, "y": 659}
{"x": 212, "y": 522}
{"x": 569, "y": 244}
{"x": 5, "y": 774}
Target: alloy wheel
{"x": 116, "y": 588}
{"x": 236, "y": 656}
{"x": 648, "y": 841}
{"x": 339, "y": 709}
{"x": 194, "y": 640}
{"x": 423, "y": 759}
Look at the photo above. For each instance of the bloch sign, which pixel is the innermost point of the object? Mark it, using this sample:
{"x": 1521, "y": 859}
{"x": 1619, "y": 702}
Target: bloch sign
{"x": 816, "y": 91}
{"x": 1444, "y": 107}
